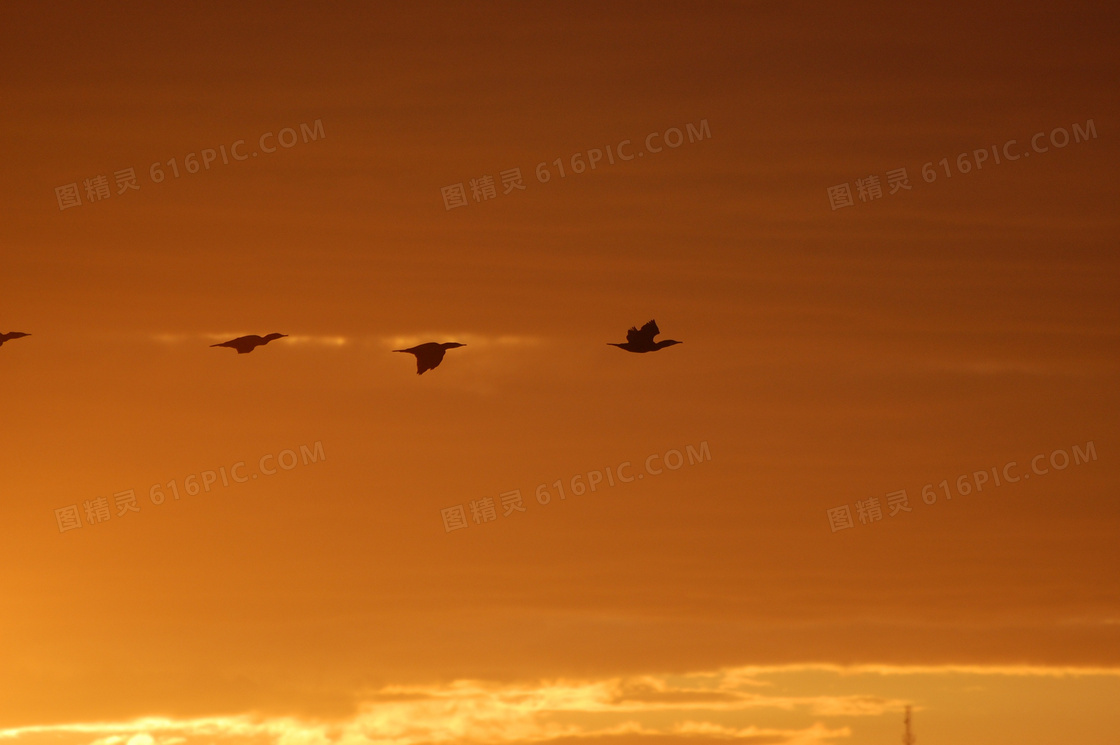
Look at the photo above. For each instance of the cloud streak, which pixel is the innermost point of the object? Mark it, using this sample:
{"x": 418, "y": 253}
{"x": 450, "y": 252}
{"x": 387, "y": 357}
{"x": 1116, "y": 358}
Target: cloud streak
{"x": 713, "y": 705}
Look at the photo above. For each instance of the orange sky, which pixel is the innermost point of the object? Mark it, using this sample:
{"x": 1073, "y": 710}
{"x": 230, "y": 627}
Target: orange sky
{"x": 830, "y": 355}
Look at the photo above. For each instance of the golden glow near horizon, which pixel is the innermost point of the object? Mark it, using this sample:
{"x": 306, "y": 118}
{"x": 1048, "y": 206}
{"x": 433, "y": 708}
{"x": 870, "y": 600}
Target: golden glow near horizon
{"x": 712, "y": 705}
{"x": 879, "y": 471}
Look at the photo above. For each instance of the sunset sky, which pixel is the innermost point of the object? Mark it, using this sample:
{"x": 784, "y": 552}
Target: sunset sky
{"x": 752, "y": 582}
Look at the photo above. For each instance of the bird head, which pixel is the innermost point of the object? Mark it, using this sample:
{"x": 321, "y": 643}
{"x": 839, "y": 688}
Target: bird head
{"x": 670, "y": 342}
{"x": 452, "y": 345}
{"x": 270, "y": 337}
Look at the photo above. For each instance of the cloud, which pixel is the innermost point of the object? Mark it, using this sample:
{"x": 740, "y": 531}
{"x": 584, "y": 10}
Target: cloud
{"x": 479, "y": 711}
{"x": 470, "y": 339}
{"x": 168, "y": 339}
{"x": 398, "y": 341}
{"x": 709, "y": 705}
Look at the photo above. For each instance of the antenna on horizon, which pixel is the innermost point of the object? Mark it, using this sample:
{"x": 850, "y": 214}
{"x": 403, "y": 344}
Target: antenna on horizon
{"x": 908, "y": 738}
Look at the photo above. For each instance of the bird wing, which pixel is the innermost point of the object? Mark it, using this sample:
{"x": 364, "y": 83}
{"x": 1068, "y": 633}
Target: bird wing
{"x": 242, "y": 344}
{"x": 428, "y": 358}
{"x": 644, "y": 335}
{"x": 428, "y": 355}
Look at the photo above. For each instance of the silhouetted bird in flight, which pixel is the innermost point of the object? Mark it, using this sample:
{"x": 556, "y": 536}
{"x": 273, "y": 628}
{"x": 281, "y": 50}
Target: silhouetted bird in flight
{"x": 246, "y": 344}
{"x": 428, "y": 356}
{"x": 641, "y": 340}
{"x": 11, "y": 335}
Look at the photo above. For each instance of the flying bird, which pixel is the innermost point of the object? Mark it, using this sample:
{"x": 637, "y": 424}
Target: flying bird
{"x": 641, "y": 340}
{"x": 428, "y": 356}
{"x": 11, "y": 335}
{"x": 246, "y": 344}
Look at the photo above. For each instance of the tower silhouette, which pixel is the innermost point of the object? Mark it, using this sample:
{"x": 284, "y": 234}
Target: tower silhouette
{"x": 908, "y": 738}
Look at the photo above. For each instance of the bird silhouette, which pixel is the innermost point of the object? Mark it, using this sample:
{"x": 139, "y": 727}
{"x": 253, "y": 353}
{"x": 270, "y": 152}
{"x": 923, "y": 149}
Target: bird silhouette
{"x": 429, "y": 355}
{"x": 641, "y": 340}
{"x": 11, "y": 335}
{"x": 246, "y": 344}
